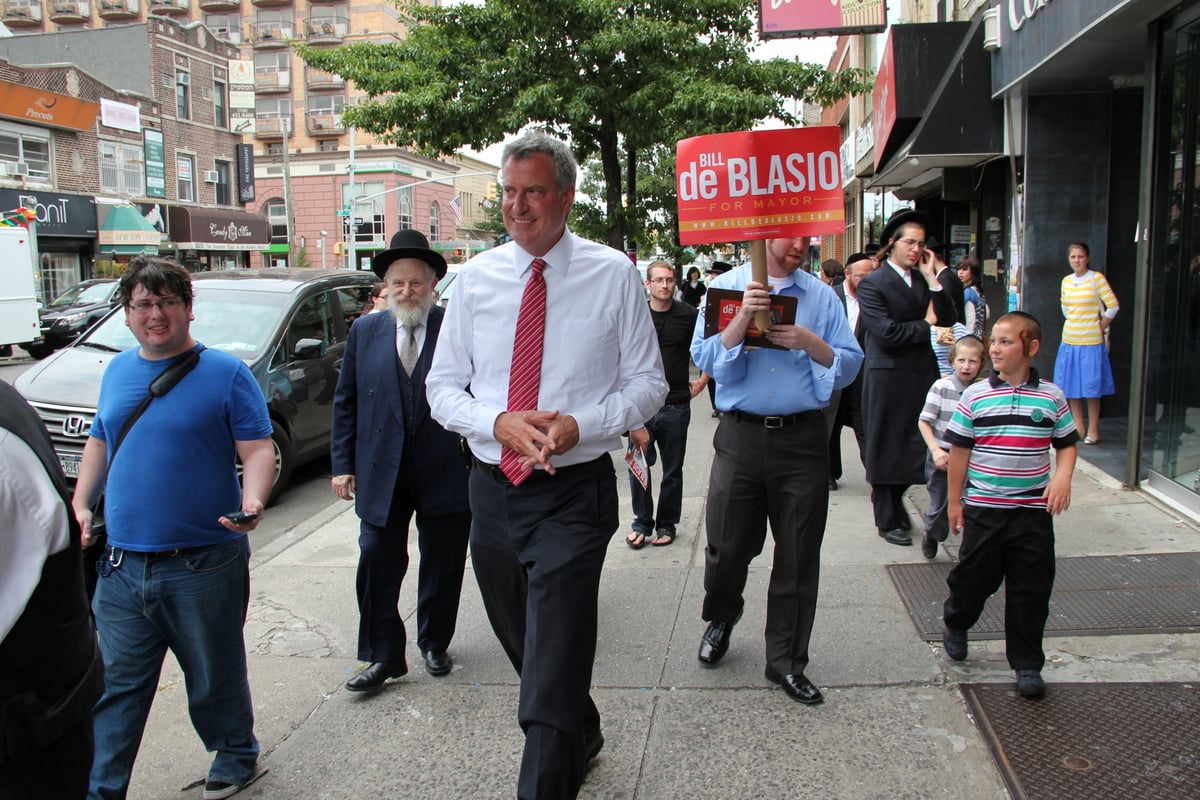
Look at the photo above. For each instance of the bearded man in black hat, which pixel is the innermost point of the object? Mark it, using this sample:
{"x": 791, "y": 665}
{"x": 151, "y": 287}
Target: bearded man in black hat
{"x": 898, "y": 303}
{"x": 394, "y": 460}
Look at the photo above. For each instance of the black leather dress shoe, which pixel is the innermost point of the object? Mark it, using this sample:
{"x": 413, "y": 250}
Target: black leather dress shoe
{"x": 373, "y": 677}
{"x": 437, "y": 662}
{"x": 715, "y": 643}
{"x": 593, "y": 743}
{"x": 896, "y": 536}
{"x": 797, "y": 687}
{"x": 833, "y": 487}
{"x": 929, "y": 546}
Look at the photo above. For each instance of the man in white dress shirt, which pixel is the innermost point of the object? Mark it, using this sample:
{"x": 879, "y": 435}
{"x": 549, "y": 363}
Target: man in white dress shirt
{"x": 541, "y": 526}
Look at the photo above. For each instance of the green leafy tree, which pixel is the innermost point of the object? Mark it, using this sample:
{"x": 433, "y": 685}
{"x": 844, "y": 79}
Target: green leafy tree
{"x": 615, "y": 77}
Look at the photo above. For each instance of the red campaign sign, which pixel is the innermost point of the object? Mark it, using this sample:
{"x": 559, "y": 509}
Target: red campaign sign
{"x": 736, "y": 187}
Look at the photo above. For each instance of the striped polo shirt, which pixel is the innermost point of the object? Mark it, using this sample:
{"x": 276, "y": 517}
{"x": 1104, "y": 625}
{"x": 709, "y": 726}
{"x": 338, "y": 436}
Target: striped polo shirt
{"x": 1083, "y": 301}
{"x": 1010, "y": 430}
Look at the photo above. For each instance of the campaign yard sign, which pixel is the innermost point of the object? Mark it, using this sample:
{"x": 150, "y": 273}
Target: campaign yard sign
{"x": 752, "y": 185}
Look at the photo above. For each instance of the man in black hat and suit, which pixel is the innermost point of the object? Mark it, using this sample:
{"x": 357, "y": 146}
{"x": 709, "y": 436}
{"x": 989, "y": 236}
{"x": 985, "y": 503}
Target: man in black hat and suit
{"x": 393, "y": 459}
{"x": 948, "y": 277}
{"x": 898, "y": 303}
{"x": 845, "y": 405}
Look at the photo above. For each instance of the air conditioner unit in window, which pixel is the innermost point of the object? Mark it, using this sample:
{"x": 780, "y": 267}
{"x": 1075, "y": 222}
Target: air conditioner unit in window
{"x": 19, "y": 168}
{"x": 183, "y": 79}
{"x": 5, "y": 169}
{"x": 212, "y": 176}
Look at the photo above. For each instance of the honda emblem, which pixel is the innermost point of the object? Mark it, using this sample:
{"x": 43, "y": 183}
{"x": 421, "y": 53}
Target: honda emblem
{"x": 75, "y": 425}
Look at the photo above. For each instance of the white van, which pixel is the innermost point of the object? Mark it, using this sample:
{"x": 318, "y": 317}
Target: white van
{"x": 18, "y": 289}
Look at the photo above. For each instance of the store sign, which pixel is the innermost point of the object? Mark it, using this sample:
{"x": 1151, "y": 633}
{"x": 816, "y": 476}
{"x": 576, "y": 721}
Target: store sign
{"x": 1019, "y": 11}
{"x": 759, "y": 184}
{"x": 245, "y": 171}
{"x": 39, "y": 107}
{"x": 58, "y": 214}
{"x": 122, "y": 116}
{"x": 883, "y": 100}
{"x": 241, "y": 97}
{"x": 156, "y": 165}
{"x": 779, "y": 18}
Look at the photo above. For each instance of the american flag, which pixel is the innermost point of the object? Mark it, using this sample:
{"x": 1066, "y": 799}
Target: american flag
{"x": 456, "y": 207}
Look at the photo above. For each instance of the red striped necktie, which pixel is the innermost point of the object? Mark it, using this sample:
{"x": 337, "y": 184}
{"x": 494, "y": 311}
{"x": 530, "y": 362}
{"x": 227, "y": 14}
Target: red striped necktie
{"x": 526, "y": 374}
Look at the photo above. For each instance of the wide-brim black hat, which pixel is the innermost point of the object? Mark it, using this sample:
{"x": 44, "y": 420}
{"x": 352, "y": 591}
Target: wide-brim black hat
{"x": 409, "y": 244}
{"x": 903, "y": 217}
{"x": 719, "y": 267}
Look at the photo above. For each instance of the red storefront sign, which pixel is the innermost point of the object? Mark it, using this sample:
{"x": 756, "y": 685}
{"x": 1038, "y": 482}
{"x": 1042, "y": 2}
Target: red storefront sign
{"x": 759, "y": 184}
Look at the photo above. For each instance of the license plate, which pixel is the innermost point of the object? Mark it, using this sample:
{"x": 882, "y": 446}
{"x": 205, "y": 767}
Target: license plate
{"x": 70, "y": 465}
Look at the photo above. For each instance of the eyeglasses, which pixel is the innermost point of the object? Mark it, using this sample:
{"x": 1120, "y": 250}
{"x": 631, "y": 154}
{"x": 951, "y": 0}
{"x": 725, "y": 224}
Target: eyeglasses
{"x": 914, "y": 243}
{"x": 661, "y": 280}
{"x": 166, "y": 306}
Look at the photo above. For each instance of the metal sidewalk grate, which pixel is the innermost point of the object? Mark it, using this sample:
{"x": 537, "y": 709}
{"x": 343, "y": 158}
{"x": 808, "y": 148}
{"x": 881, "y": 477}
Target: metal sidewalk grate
{"x": 1093, "y": 595}
{"x": 1110, "y": 740}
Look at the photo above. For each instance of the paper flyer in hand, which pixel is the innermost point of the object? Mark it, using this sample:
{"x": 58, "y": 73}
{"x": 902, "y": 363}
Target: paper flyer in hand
{"x": 721, "y": 306}
{"x": 636, "y": 460}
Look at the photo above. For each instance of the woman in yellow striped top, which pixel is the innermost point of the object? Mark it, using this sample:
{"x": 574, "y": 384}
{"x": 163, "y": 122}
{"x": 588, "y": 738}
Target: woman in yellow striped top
{"x": 1082, "y": 369}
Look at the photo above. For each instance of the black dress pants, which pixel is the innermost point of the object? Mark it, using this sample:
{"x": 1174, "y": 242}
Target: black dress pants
{"x": 781, "y": 476}
{"x": 887, "y": 501}
{"x": 537, "y": 550}
{"x": 382, "y": 564}
{"x": 1013, "y": 546}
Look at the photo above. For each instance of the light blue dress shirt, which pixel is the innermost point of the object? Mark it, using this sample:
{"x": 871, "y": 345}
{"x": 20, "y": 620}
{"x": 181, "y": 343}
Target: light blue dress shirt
{"x": 771, "y": 382}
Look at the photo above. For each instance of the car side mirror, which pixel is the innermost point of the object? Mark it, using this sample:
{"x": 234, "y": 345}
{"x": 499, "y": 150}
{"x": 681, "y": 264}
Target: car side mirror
{"x": 309, "y": 348}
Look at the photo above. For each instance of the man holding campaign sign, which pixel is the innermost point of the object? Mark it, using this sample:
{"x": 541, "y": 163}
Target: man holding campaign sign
{"x": 778, "y": 344}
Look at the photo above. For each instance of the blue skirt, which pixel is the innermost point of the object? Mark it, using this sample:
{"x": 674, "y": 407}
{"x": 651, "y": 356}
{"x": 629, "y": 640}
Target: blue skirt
{"x": 1082, "y": 370}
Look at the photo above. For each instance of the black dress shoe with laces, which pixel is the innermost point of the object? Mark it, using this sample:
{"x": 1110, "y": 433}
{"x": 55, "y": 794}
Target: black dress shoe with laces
{"x": 797, "y": 687}
{"x": 437, "y": 662}
{"x": 715, "y": 643}
{"x": 374, "y": 676}
{"x": 929, "y": 546}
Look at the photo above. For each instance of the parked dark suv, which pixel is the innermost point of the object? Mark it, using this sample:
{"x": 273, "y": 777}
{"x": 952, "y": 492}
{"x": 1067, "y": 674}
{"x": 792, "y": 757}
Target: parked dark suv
{"x": 288, "y": 325}
{"x": 72, "y": 313}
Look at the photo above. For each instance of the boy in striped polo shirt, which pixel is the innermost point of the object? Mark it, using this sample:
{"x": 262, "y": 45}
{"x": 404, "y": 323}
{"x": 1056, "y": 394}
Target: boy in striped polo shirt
{"x": 1003, "y": 498}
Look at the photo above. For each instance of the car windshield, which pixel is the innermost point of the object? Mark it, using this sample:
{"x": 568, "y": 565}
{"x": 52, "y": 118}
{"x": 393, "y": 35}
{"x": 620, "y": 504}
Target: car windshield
{"x": 84, "y": 295}
{"x": 237, "y": 322}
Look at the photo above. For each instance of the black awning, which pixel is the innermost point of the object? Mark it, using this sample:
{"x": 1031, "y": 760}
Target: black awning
{"x": 961, "y": 126}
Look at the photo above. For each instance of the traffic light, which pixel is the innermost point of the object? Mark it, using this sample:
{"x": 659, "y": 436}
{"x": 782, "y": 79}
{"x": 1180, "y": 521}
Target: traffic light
{"x": 339, "y": 248}
{"x": 460, "y": 252}
{"x": 491, "y": 192}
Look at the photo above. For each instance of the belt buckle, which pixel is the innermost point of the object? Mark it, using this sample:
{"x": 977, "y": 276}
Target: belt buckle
{"x": 773, "y": 423}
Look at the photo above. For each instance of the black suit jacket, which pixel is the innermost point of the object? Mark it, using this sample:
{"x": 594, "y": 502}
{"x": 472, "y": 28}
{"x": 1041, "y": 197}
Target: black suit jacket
{"x": 948, "y": 278}
{"x": 369, "y": 435}
{"x": 897, "y": 372}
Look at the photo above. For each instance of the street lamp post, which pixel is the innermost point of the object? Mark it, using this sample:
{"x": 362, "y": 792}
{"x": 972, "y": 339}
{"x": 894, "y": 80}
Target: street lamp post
{"x": 324, "y": 235}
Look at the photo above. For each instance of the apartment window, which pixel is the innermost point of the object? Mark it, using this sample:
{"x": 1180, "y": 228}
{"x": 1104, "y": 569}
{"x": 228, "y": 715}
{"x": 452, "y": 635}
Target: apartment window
{"x": 434, "y": 221}
{"x": 275, "y": 24}
{"x": 406, "y": 215}
{"x": 185, "y": 178}
{"x": 327, "y": 145}
{"x": 30, "y": 148}
{"x": 222, "y": 168}
{"x": 122, "y": 169}
{"x": 273, "y": 69}
{"x": 183, "y": 97}
{"x": 220, "y": 119}
{"x": 225, "y": 26}
{"x": 276, "y": 213}
{"x": 274, "y": 148}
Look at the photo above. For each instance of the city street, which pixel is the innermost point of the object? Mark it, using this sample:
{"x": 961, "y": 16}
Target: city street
{"x": 894, "y": 722}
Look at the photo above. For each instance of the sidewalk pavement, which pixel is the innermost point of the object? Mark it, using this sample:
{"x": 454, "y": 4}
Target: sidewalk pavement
{"x": 893, "y": 724}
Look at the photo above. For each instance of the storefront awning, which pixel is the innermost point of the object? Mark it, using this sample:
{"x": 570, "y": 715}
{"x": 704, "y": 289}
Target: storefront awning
{"x": 123, "y": 231}
{"x": 226, "y": 229}
{"x": 960, "y": 126}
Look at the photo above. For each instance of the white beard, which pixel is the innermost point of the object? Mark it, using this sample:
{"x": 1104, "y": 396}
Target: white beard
{"x": 409, "y": 314}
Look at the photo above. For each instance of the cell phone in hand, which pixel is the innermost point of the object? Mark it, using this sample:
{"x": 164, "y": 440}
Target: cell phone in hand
{"x": 238, "y": 517}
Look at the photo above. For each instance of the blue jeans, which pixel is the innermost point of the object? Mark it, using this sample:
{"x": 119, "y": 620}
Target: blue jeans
{"x": 195, "y": 604}
{"x": 668, "y": 434}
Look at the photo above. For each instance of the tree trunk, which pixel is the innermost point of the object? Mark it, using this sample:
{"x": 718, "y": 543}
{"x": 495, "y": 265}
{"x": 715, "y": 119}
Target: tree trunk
{"x": 611, "y": 164}
{"x": 631, "y": 193}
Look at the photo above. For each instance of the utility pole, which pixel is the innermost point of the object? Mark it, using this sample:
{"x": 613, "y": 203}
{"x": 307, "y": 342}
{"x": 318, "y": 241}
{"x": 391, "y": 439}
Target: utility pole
{"x": 288, "y": 207}
{"x": 349, "y": 206}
